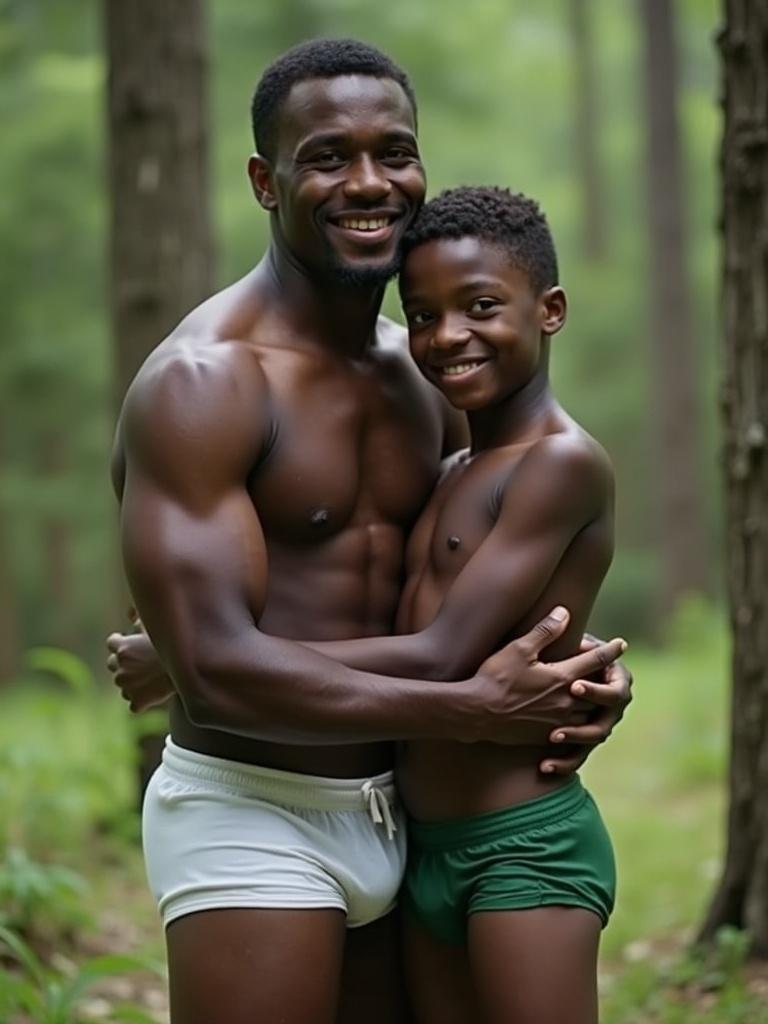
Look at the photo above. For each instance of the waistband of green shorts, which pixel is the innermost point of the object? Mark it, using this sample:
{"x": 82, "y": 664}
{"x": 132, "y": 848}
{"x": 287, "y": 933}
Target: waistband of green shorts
{"x": 291, "y": 789}
{"x": 535, "y": 813}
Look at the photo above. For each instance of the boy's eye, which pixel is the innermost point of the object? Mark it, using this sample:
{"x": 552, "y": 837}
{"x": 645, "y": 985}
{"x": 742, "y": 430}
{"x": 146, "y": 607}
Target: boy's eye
{"x": 419, "y": 319}
{"x": 483, "y": 305}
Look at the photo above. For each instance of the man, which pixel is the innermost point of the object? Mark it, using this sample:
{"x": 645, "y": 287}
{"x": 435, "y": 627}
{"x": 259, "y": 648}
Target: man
{"x": 272, "y": 455}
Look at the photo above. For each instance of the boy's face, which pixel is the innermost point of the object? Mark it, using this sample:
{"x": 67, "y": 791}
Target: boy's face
{"x": 474, "y": 321}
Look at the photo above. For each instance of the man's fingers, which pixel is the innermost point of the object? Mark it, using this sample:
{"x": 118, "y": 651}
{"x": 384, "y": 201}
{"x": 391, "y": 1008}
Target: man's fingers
{"x": 592, "y": 661}
{"x": 589, "y": 735}
{"x": 112, "y": 663}
{"x": 546, "y": 632}
{"x": 564, "y": 765}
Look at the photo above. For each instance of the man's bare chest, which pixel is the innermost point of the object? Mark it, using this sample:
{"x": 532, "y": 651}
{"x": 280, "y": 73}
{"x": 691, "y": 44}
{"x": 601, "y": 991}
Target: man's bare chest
{"x": 344, "y": 450}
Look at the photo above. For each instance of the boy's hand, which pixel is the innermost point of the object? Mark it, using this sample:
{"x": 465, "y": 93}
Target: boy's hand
{"x": 609, "y": 698}
{"x": 137, "y": 671}
{"x": 522, "y": 699}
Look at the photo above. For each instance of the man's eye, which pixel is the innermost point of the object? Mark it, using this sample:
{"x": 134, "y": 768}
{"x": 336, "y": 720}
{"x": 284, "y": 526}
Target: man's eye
{"x": 484, "y": 305}
{"x": 329, "y": 157}
{"x": 398, "y": 153}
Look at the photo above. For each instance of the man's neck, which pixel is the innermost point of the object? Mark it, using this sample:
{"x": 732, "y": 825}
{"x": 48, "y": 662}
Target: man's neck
{"x": 339, "y": 316}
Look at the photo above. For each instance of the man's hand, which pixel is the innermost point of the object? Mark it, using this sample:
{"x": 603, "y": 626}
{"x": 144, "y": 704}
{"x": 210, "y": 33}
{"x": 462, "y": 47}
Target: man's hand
{"x": 137, "y": 671}
{"x": 610, "y": 696}
{"x": 523, "y": 699}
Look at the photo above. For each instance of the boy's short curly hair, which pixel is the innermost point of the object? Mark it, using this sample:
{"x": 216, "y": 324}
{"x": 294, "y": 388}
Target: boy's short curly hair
{"x": 318, "y": 58}
{"x": 509, "y": 220}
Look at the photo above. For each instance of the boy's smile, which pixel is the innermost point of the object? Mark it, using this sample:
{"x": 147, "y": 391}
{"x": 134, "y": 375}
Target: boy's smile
{"x": 474, "y": 320}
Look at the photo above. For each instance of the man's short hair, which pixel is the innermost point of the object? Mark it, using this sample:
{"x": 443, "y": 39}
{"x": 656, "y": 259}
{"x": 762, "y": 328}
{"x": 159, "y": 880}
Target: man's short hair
{"x": 318, "y": 58}
{"x": 506, "y": 219}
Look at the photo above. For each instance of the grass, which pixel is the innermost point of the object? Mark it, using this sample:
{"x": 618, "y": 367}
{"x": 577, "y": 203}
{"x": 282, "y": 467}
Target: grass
{"x": 66, "y": 795}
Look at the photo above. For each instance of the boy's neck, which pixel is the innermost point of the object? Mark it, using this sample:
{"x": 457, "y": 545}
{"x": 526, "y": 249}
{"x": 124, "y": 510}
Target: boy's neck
{"x": 527, "y": 415}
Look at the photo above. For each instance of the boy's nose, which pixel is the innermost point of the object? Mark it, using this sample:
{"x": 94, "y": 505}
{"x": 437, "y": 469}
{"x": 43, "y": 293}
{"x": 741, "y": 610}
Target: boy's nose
{"x": 450, "y": 333}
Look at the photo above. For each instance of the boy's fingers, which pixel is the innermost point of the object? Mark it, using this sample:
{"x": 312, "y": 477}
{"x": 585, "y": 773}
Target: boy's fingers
{"x": 112, "y": 663}
{"x": 592, "y": 661}
{"x": 113, "y": 641}
{"x": 607, "y": 695}
{"x": 546, "y": 631}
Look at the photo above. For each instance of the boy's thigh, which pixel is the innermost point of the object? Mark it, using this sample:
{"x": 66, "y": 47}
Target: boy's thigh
{"x": 439, "y": 979}
{"x": 373, "y": 987}
{"x": 244, "y": 966}
{"x": 535, "y": 966}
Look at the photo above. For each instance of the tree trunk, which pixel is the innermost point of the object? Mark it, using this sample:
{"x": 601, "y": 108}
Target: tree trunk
{"x": 742, "y": 896}
{"x": 674, "y": 358}
{"x": 161, "y": 238}
{"x": 162, "y": 245}
{"x": 9, "y": 617}
{"x": 586, "y": 134}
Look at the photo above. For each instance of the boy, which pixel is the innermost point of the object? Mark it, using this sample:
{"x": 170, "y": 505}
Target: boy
{"x": 510, "y": 872}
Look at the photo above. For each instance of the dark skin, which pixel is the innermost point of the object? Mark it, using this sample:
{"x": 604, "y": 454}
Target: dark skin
{"x": 272, "y": 456}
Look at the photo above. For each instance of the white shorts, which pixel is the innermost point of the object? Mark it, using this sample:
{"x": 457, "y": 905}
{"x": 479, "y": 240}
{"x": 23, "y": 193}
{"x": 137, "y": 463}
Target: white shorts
{"x": 220, "y": 834}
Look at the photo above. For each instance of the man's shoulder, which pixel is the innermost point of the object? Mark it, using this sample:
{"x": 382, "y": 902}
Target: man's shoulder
{"x": 188, "y": 367}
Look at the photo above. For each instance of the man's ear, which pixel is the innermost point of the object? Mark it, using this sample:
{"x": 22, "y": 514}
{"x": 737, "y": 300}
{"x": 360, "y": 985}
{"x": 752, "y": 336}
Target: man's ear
{"x": 554, "y": 309}
{"x": 260, "y": 173}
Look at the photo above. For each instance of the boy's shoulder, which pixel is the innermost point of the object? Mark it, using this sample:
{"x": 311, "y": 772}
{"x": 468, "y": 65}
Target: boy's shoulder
{"x": 568, "y": 468}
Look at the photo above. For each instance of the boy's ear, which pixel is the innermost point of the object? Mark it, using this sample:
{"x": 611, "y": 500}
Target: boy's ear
{"x": 555, "y": 309}
{"x": 260, "y": 173}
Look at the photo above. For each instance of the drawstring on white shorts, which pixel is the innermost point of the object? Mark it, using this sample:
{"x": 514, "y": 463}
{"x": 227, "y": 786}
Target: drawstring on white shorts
{"x": 378, "y": 807}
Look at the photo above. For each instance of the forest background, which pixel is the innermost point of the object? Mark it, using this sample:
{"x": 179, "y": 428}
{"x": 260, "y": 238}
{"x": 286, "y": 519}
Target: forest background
{"x": 550, "y": 98}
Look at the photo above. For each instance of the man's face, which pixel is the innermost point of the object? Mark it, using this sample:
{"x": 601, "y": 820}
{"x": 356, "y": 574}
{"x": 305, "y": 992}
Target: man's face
{"x": 474, "y": 321}
{"x": 347, "y": 179}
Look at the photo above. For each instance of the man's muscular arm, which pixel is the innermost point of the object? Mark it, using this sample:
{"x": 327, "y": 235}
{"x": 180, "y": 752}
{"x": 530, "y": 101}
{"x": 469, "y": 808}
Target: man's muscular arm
{"x": 195, "y": 556}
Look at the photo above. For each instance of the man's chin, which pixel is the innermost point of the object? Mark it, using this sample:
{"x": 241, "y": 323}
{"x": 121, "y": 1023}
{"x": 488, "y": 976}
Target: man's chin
{"x": 361, "y": 276}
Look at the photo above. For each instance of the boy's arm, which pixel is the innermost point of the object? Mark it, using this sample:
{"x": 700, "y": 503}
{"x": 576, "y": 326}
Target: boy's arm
{"x": 196, "y": 562}
{"x": 559, "y": 487}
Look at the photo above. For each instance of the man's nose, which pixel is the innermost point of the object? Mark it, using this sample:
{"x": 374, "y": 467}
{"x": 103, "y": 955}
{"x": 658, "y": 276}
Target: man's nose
{"x": 367, "y": 180}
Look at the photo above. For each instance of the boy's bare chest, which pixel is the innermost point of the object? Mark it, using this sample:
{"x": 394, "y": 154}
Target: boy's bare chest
{"x": 347, "y": 448}
{"x": 464, "y": 510}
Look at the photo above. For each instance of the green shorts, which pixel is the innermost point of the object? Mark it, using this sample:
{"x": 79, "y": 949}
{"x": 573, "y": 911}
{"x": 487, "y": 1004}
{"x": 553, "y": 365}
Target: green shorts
{"x": 550, "y": 851}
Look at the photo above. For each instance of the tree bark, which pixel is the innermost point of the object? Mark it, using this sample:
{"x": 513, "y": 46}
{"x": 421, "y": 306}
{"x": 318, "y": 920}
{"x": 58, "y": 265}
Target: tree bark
{"x": 674, "y": 358}
{"x": 161, "y": 235}
{"x": 742, "y": 896}
{"x": 586, "y": 131}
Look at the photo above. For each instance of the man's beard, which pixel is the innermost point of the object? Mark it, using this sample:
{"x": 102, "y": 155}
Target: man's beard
{"x": 363, "y": 277}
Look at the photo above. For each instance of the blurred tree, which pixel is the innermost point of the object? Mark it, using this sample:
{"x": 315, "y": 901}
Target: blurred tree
{"x": 162, "y": 243}
{"x": 674, "y": 356}
{"x": 586, "y": 130}
{"x": 742, "y": 896}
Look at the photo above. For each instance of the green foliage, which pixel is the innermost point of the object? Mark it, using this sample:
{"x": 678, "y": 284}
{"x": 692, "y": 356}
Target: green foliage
{"x": 40, "y": 900}
{"x": 50, "y": 996}
{"x": 712, "y": 987}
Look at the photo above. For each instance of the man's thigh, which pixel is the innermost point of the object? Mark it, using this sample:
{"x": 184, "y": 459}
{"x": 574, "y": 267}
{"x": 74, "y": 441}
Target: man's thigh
{"x": 254, "y": 966}
{"x": 373, "y": 984}
{"x": 535, "y": 966}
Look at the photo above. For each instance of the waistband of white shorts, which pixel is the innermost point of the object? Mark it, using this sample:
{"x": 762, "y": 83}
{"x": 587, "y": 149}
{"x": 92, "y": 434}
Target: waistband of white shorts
{"x": 293, "y": 789}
